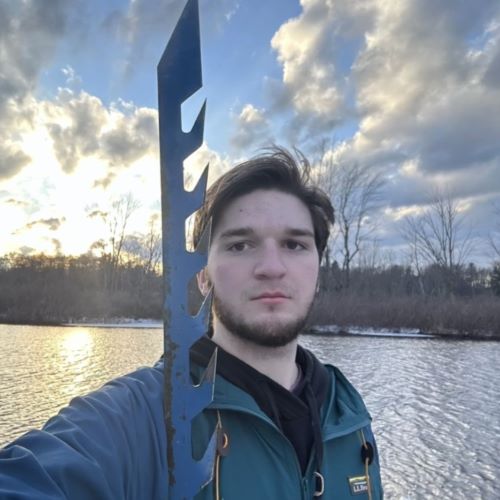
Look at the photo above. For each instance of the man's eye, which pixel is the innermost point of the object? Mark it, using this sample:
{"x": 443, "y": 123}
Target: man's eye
{"x": 237, "y": 247}
{"x": 294, "y": 245}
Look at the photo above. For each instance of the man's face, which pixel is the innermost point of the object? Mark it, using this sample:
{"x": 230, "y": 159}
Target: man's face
{"x": 263, "y": 265}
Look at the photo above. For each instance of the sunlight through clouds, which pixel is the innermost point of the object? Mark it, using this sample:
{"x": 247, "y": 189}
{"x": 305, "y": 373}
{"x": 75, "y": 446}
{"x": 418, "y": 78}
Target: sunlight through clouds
{"x": 408, "y": 89}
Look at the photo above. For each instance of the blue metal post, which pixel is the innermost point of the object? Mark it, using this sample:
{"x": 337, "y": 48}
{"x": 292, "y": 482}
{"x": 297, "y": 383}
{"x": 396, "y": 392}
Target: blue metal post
{"x": 179, "y": 76}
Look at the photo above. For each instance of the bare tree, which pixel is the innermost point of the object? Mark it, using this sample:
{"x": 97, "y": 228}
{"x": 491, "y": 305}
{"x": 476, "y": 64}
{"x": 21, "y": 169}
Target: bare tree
{"x": 439, "y": 236}
{"x": 494, "y": 236}
{"x": 355, "y": 193}
{"x": 146, "y": 247}
{"x": 116, "y": 221}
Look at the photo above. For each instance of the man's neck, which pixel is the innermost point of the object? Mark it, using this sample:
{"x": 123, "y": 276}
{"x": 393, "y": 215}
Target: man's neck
{"x": 277, "y": 363}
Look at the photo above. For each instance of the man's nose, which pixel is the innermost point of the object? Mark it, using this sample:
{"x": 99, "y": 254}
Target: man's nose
{"x": 270, "y": 262}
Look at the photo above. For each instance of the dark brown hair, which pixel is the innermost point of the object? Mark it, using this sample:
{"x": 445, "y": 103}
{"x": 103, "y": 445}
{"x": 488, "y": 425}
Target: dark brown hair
{"x": 276, "y": 169}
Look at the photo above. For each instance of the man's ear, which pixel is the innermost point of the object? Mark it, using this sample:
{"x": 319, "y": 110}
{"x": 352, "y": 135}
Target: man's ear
{"x": 204, "y": 283}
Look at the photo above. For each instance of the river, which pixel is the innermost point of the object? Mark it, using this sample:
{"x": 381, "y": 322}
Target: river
{"x": 435, "y": 403}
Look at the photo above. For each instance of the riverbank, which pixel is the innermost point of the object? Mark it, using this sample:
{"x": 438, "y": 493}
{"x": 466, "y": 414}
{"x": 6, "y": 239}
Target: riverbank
{"x": 471, "y": 318}
{"x": 403, "y": 333}
{"x": 325, "y": 330}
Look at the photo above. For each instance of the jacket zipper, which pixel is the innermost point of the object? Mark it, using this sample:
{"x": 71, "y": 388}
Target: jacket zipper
{"x": 304, "y": 481}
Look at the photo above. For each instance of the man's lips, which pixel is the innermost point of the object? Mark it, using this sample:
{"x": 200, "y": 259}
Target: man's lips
{"x": 271, "y": 297}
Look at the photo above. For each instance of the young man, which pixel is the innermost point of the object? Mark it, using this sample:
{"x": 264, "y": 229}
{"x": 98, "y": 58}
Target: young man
{"x": 293, "y": 428}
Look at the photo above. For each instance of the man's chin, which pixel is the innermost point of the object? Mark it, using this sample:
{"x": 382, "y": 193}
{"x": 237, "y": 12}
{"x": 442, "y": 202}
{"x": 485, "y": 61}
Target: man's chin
{"x": 265, "y": 328}
{"x": 268, "y": 333}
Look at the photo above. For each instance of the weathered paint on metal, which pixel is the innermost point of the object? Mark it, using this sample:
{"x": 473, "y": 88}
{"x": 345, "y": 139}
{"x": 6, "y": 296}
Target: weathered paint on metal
{"x": 179, "y": 77}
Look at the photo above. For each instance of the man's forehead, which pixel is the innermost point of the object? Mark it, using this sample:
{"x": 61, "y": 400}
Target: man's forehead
{"x": 262, "y": 208}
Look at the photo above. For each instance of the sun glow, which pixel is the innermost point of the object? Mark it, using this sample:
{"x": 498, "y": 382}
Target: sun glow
{"x": 76, "y": 347}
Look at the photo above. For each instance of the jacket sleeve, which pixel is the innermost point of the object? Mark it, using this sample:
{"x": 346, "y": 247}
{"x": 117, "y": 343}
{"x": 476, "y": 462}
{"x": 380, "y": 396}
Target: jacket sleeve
{"x": 109, "y": 444}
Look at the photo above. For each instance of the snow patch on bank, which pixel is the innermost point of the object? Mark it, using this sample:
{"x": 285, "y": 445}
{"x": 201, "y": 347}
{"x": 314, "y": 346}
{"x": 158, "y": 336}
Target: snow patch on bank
{"x": 369, "y": 332}
{"x": 119, "y": 323}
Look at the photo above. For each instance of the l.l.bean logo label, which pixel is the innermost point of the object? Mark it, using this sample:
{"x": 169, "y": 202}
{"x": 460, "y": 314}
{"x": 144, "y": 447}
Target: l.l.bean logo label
{"x": 358, "y": 485}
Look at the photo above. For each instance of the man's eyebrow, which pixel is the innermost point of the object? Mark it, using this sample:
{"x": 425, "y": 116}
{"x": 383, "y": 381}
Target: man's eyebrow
{"x": 293, "y": 231}
{"x": 237, "y": 231}
{"x": 249, "y": 231}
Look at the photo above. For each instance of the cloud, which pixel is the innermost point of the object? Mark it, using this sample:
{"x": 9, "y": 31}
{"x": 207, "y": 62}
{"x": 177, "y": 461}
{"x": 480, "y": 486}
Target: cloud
{"x": 96, "y": 213}
{"x": 72, "y": 79}
{"x": 52, "y": 223}
{"x": 195, "y": 163}
{"x": 491, "y": 76}
{"x": 421, "y": 84}
{"x": 414, "y": 96}
{"x": 17, "y": 203}
{"x": 418, "y": 75}
{"x": 145, "y": 25}
{"x": 131, "y": 136}
{"x": 27, "y": 250}
{"x": 80, "y": 120}
{"x": 312, "y": 48}
{"x": 57, "y": 245}
{"x": 29, "y": 33}
{"x": 81, "y": 126}
{"x": 252, "y": 128}
{"x": 12, "y": 160}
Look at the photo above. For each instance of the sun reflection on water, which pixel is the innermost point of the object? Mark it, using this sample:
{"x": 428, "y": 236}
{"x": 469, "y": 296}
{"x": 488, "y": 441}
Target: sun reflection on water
{"x": 76, "y": 347}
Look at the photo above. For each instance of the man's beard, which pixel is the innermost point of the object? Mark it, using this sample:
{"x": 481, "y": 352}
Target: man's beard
{"x": 271, "y": 334}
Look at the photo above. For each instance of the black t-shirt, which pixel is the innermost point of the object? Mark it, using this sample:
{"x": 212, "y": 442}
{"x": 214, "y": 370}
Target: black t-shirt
{"x": 295, "y": 412}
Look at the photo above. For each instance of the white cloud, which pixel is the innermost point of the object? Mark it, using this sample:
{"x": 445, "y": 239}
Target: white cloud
{"x": 194, "y": 165}
{"x": 423, "y": 99}
{"x": 71, "y": 143}
{"x": 252, "y": 129}
{"x": 419, "y": 90}
{"x": 72, "y": 79}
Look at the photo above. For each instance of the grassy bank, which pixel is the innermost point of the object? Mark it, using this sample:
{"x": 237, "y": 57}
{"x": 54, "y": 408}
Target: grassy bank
{"x": 471, "y": 317}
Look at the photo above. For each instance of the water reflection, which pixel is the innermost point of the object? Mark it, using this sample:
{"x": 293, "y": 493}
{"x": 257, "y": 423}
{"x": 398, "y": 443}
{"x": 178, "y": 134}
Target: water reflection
{"x": 435, "y": 404}
{"x": 76, "y": 347}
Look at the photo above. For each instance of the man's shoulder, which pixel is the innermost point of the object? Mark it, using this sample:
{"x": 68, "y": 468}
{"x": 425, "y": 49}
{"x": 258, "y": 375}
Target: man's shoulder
{"x": 144, "y": 382}
{"x": 104, "y": 440}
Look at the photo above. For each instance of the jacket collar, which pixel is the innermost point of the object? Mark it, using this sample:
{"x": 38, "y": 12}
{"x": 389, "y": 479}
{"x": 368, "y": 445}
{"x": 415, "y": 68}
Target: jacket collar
{"x": 342, "y": 413}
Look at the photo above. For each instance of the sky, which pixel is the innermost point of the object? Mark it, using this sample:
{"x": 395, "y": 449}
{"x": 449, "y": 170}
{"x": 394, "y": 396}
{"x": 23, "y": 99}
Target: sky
{"x": 409, "y": 89}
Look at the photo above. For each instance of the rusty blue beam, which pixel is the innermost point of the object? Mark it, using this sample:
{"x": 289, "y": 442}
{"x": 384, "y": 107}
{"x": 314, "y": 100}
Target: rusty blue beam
{"x": 179, "y": 77}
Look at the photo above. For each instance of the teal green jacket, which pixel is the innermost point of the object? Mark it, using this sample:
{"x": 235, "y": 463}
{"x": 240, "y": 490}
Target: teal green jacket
{"x": 262, "y": 463}
{"x": 111, "y": 445}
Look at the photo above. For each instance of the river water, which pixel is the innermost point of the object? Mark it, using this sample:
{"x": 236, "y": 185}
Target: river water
{"x": 435, "y": 404}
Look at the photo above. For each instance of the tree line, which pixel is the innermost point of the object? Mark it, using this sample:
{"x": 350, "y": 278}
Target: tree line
{"x": 433, "y": 285}
{"x": 59, "y": 289}
{"x": 45, "y": 289}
